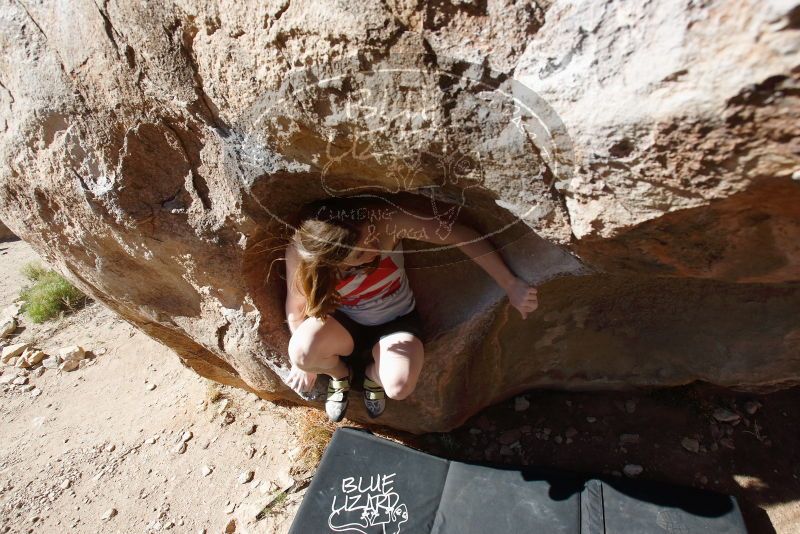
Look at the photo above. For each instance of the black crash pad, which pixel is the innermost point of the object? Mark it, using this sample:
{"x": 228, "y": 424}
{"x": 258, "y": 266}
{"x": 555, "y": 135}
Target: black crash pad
{"x": 370, "y": 485}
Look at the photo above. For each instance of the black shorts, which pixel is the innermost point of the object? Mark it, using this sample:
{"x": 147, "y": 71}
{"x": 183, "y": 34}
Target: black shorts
{"x": 365, "y": 336}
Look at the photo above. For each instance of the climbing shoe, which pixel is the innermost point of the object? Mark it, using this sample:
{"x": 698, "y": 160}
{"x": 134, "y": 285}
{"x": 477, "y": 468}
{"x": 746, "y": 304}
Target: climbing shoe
{"x": 336, "y": 402}
{"x": 374, "y": 398}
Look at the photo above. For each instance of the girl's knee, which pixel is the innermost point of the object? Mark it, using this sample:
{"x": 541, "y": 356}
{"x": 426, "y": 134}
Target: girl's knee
{"x": 299, "y": 352}
{"x": 398, "y": 388}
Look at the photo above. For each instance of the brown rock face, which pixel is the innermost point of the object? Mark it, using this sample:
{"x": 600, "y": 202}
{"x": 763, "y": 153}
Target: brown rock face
{"x": 5, "y": 233}
{"x": 639, "y": 163}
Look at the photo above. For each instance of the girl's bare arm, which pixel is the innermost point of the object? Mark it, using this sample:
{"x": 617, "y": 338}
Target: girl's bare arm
{"x": 417, "y": 224}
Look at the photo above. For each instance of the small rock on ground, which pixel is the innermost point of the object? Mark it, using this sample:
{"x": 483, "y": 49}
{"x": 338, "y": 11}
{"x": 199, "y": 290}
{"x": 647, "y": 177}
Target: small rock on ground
{"x": 521, "y": 404}
{"x": 632, "y": 470}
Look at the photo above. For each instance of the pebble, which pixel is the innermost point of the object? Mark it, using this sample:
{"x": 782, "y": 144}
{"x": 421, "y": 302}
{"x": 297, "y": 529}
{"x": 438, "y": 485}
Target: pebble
{"x": 558, "y": 439}
{"x": 206, "y": 470}
{"x": 632, "y": 470}
{"x": 73, "y": 352}
{"x": 35, "y": 356}
{"x": 723, "y": 415}
{"x": 250, "y": 430}
{"x": 69, "y": 365}
{"x": 591, "y": 419}
{"x": 39, "y": 372}
{"x": 7, "y": 326}
{"x": 230, "y": 508}
{"x": 20, "y": 380}
{"x": 521, "y": 404}
{"x": 150, "y": 386}
{"x": 150, "y": 441}
{"x": 111, "y": 512}
{"x": 571, "y": 432}
{"x": 181, "y": 448}
{"x": 691, "y": 445}
{"x": 65, "y": 484}
{"x": 751, "y": 407}
{"x": 251, "y": 452}
{"x": 110, "y": 447}
{"x": 13, "y": 351}
{"x": 509, "y": 437}
{"x": 186, "y": 436}
{"x": 245, "y": 477}
{"x": 51, "y": 363}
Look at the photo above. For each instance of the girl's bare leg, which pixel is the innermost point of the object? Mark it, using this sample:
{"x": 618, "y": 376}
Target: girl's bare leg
{"x": 398, "y": 360}
{"x": 316, "y": 346}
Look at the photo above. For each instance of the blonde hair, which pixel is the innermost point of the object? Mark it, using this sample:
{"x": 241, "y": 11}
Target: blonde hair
{"x": 323, "y": 240}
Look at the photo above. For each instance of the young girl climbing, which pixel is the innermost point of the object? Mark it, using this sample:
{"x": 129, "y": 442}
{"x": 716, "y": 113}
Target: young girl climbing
{"x": 346, "y": 282}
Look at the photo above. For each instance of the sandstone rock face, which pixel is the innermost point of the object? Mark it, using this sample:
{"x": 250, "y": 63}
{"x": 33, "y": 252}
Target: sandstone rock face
{"x": 638, "y": 161}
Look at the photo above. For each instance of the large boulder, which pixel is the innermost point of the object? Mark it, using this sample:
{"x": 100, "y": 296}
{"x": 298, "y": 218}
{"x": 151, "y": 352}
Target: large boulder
{"x": 637, "y": 161}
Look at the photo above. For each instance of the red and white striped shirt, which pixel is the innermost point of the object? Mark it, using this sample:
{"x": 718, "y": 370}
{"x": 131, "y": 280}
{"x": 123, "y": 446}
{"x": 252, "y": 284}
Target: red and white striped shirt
{"x": 380, "y": 296}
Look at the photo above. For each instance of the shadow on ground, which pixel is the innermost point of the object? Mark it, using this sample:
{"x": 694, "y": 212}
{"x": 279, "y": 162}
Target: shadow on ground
{"x": 755, "y": 457}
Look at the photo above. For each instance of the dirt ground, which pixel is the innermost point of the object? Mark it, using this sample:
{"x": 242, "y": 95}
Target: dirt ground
{"x": 102, "y": 437}
{"x": 98, "y": 438}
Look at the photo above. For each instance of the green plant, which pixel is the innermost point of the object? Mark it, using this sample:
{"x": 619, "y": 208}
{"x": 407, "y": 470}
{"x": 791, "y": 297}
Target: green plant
{"x": 48, "y": 294}
{"x": 273, "y": 506}
{"x": 33, "y": 271}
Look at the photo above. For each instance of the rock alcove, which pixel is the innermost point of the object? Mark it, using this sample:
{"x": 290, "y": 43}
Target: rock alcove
{"x": 150, "y": 152}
